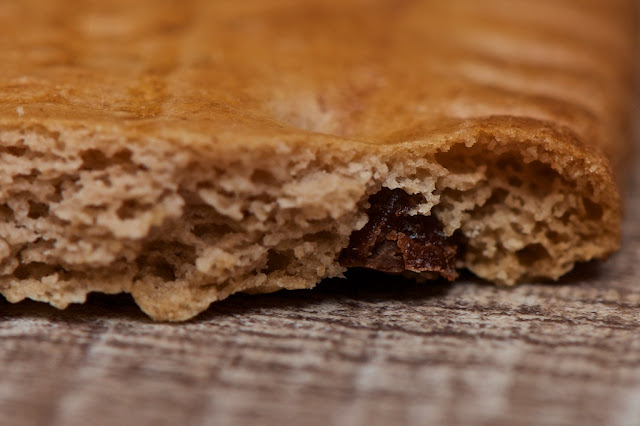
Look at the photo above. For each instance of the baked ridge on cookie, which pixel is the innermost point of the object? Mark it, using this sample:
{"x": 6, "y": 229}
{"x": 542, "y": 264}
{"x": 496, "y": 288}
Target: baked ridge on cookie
{"x": 185, "y": 151}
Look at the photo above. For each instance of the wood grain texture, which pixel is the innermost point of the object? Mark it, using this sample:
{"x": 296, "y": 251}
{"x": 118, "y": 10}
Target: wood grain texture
{"x": 370, "y": 350}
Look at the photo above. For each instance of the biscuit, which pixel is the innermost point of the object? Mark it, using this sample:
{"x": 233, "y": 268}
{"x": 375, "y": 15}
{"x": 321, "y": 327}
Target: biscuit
{"x": 182, "y": 151}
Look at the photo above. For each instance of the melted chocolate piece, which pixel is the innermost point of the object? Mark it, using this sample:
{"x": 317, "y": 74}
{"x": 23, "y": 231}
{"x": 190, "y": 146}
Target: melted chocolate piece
{"x": 393, "y": 241}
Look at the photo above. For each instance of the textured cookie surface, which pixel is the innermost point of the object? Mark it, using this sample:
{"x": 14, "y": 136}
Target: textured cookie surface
{"x": 186, "y": 150}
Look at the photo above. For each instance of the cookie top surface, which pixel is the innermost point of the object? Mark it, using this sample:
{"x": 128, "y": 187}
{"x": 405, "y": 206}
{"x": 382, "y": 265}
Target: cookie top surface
{"x": 382, "y": 72}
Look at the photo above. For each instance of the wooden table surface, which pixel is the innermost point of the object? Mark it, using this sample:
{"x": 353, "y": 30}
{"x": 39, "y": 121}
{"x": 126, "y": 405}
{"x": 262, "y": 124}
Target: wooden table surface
{"x": 370, "y": 350}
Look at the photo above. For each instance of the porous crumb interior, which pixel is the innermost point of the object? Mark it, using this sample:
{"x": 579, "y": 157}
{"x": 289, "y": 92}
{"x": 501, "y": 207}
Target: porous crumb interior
{"x": 179, "y": 231}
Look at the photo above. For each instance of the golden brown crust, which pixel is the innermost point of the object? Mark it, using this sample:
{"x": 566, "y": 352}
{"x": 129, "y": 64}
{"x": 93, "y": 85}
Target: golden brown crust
{"x": 376, "y": 83}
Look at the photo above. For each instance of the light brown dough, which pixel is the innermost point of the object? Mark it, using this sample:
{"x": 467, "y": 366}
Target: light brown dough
{"x": 183, "y": 151}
